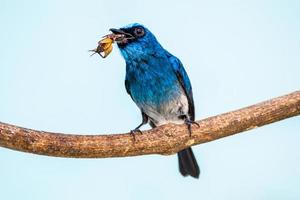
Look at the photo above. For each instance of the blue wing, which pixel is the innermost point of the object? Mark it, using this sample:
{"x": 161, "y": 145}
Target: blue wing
{"x": 184, "y": 82}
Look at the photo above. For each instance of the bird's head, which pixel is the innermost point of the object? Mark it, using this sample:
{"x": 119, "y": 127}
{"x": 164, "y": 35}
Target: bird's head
{"x": 137, "y": 42}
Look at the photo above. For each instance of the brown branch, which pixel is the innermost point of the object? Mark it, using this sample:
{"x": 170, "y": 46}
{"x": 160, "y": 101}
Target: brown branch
{"x": 167, "y": 139}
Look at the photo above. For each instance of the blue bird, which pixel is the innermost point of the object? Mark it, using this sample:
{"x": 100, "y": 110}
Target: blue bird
{"x": 159, "y": 85}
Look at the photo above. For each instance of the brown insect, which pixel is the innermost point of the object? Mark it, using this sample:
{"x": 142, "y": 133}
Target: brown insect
{"x": 105, "y": 46}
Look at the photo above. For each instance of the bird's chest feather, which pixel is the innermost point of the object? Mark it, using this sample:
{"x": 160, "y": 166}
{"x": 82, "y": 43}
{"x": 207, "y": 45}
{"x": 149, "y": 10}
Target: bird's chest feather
{"x": 155, "y": 89}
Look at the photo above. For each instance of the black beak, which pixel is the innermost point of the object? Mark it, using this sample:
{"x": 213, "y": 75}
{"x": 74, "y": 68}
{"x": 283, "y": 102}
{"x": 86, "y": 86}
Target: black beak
{"x": 119, "y": 31}
{"x": 116, "y": 31}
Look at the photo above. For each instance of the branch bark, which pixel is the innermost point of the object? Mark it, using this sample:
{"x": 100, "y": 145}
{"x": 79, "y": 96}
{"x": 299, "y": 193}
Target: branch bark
{"x": 166, "y": 140}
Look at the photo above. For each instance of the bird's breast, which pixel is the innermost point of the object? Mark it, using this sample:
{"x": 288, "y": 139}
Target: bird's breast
{"x": 158, "y": 93}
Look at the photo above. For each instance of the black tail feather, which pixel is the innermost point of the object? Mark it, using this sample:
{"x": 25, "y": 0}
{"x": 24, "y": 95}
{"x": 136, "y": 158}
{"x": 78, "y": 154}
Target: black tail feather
{"x": 188, "y": 164}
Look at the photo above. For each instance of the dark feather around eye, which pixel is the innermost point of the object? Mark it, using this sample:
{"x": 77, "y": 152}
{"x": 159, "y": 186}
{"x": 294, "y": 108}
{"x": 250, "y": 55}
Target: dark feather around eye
{"x": 139, "y": 31}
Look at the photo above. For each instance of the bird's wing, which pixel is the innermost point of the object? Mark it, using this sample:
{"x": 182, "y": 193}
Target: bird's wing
{"x": 184, "y": 82}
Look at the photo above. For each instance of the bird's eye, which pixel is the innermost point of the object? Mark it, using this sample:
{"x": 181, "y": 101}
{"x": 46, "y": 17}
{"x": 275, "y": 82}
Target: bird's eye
{"x": 139, "y": 31}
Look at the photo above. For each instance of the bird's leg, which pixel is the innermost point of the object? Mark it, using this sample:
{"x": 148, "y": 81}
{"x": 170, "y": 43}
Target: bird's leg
{"x": 137, "y": 129}
{"x": 189, "y": 123}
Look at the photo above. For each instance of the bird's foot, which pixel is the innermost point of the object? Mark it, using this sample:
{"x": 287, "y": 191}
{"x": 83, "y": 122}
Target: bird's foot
{"x": 189, "y": 124}
{"x": 134, "y": 131}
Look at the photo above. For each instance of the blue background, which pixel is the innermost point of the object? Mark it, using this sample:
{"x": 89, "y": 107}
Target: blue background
{"x": 236, "y": 53}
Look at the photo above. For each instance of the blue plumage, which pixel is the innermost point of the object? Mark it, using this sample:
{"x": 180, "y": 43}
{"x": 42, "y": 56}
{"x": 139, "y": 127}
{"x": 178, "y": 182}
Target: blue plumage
{"x": 158, "y": 83}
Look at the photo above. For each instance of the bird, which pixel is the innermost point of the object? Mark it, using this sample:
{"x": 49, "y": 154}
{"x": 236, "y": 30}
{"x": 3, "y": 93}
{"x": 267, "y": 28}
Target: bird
{"x": 159, "y": 85}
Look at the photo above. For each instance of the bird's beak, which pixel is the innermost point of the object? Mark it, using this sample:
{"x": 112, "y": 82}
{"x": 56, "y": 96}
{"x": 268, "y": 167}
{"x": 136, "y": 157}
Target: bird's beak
{"x": 117, "y": 31}
{"x": 121, "y": 32}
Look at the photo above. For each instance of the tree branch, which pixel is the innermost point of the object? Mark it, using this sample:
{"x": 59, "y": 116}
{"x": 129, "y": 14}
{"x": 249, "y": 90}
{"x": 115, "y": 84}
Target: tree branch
{"x": 167, "y": 139}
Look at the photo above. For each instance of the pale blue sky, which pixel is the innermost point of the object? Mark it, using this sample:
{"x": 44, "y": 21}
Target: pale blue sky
{"x": 237, "y": 53}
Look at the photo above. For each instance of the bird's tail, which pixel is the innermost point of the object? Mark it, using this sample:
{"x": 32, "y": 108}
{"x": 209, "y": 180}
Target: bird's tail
{"x": 187, "y": 163}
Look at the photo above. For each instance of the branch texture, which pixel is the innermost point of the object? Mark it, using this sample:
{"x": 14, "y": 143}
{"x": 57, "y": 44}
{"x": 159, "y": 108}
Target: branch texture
{"x": 167, "y": 139}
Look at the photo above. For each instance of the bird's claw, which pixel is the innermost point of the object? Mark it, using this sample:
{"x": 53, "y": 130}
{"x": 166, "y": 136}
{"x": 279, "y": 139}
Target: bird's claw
{"x": 195, "y": 123}
{"x": 134, "y": 131}
{"x": 189, "y": 123}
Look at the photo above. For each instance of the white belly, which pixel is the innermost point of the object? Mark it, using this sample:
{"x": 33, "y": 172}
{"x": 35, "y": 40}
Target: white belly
{"x": 169, "y": 112}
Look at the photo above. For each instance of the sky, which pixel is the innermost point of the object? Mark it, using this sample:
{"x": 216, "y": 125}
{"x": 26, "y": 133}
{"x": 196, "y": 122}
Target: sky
{"x": 237, "y": 53}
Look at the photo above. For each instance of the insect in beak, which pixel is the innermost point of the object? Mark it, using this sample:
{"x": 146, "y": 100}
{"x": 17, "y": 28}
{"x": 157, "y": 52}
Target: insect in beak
{"x": 105, "y": 47}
